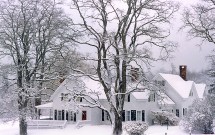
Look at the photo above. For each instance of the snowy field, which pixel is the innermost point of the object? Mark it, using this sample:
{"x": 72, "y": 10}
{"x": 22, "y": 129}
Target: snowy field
{"x": 11, "y": 128}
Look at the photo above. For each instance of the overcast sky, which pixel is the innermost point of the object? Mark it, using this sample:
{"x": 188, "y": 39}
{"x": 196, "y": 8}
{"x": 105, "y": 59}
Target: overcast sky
{"x": 187, "y": 53}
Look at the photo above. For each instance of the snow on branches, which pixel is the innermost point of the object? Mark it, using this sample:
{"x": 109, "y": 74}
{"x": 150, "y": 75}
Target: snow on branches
{"x": 165, "y": 117}
{"x": 135, "y": 128}
{"x": 199, "y": 118}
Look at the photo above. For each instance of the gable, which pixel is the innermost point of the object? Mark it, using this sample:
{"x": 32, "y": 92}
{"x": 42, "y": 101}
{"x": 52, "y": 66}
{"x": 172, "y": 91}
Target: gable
{"x": 165, "y": 100}
{"x": 180, "y": 86}
{"x": 193, "y": 92}
{"x": 143, "y": 95}
{"x": 200, "y": 89}
{"x": 76, "y": 83}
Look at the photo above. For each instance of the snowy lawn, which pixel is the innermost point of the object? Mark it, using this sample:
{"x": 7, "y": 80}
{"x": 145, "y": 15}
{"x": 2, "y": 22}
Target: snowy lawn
{"x": 11, "y": 128}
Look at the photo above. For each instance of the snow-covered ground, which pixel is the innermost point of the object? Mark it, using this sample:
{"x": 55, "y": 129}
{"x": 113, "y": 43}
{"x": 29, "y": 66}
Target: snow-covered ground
{"x": 11, "y": 128}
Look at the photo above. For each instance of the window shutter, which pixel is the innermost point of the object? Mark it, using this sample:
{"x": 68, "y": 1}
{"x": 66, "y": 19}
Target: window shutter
{"x": 143, "y": 115}
{"x": 103, "y": 115}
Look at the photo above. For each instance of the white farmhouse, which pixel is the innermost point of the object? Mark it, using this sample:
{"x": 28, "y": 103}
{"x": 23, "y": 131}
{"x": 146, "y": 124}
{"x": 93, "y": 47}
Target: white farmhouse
{"x": 180, "y": 91}
{"x": 175, "y": 95}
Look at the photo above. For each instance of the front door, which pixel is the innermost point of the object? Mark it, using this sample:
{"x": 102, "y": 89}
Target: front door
{"x": 84, "y": 115}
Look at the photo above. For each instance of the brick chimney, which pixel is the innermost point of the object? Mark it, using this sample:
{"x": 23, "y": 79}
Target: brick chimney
{"x": 134, "y": 74}
{"x": 183, "y": 71}
{"x": 62, "y": 77}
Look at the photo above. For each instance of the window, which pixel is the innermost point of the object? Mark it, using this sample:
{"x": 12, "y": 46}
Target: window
{"x": 177, "y": 112}
{"x": 163, "y": 83}
{"x": 55, "y": 114}
{"x": 191, "y": 94}
{"x": 138, "y": 115}
{"x": 59, "y": 115}
{"x": 151, "y": 97}
{"x": 133, "y": 115}
{"x": 107, "y": 115}
{"x": 84, "y": 115}
{"x": 184, "y": 111}
{"x": 79, "y": 99}
{"x": 143, "y": 115}
{"x": 127, "y": 97}
{"x": 62, "y": 96}
{"x": 128, "y": 114}
{"x": 71, "y": 116}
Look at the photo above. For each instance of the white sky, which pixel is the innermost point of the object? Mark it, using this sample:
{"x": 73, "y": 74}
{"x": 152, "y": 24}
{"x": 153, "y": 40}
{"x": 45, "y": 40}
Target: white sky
{"x": 188, "y": 53}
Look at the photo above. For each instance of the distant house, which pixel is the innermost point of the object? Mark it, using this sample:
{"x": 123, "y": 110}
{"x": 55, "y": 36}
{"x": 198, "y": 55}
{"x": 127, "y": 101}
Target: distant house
{"x": 176, "y": 95}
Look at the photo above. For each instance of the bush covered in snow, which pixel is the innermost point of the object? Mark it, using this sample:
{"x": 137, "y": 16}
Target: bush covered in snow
{"x": 135, "y": 127}
{"x": 199, "y": 118}
{"x": 163, "y": 117}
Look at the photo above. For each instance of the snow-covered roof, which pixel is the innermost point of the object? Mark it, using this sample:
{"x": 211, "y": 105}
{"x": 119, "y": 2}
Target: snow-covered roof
{"x": 165, "y": 100}
{"x": 182, "y": 87}
{"x": 45, "y": 106}
{"x": 66, "y": 84}
{"x": 94, "y": 86}
{"x": 80, "y": 83}
{"x": 141, "y": 95}
{"x": 200, "y": 88}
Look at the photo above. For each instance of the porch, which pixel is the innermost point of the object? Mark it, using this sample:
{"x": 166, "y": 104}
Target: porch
{"x": 55, "y": 114}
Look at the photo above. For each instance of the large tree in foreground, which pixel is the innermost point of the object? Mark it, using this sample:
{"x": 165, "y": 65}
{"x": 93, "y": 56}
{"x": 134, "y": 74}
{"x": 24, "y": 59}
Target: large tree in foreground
{"x": 30, "y": 31}
{"x": 122, "y": 33}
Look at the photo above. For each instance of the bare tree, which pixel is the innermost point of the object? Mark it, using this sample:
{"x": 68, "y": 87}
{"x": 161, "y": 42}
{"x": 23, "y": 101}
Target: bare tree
{"x": 199, "y": 21}
{"x": 30, "y": 32}
{"x": 123, "y": 34}
{"x": 8, "y": 98}
{"x": 60, "y": 66}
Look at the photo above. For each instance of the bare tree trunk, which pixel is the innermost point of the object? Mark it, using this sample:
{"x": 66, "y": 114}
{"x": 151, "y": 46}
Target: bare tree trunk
{"x": 38, "y": 99}
{"x": 22, "y": 118}
{"x": 117, "y": 130}
{"x": 22, "y": 102}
